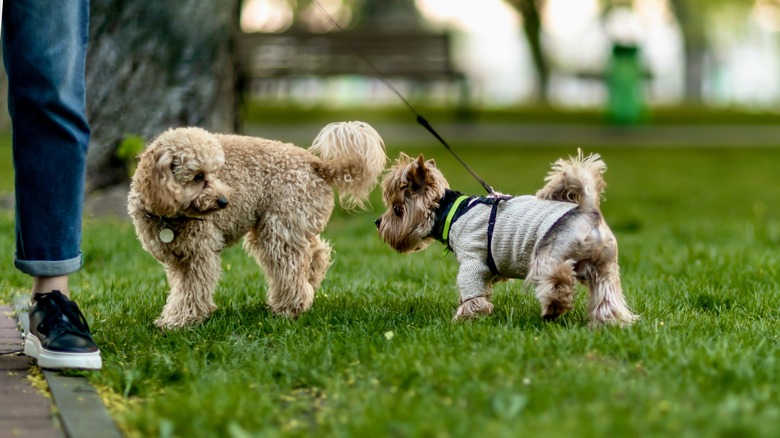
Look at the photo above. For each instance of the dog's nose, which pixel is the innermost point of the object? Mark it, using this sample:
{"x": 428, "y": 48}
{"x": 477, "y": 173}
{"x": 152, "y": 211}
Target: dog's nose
{"x": 378, "y": 222}
{"x": 222, "y": 202}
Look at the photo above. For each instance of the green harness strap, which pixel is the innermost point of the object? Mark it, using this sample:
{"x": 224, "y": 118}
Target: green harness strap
{"x": 448, "y": 222}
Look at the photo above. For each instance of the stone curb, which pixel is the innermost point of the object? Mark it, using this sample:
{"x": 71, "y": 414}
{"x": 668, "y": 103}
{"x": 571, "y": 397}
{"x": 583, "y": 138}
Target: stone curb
{"x": 75, "y": 409}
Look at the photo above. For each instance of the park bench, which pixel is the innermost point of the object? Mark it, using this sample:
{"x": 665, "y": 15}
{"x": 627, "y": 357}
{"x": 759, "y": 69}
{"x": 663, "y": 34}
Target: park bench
{"x": 423, "y": 58}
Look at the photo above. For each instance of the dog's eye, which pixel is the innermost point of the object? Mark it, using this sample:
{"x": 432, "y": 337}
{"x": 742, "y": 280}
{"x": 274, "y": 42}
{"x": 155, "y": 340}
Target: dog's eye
{"x": 199, "y": 177}
{"x": 398, "y": 210}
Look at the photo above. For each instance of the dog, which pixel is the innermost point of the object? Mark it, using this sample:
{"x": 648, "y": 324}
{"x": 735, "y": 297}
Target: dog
{"x": 552, "y": 240}
{"x": 195, "y": 193}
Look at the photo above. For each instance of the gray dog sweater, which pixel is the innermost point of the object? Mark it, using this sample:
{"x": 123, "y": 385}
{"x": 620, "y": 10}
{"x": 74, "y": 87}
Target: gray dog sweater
{"x": 520, "y": 225}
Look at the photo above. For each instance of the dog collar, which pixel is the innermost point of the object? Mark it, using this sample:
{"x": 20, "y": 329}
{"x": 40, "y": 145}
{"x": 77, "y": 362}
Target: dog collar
{"x": 450, "y": 208}
{"x": 168, "y": 225}
{"x": 172, "y": 220}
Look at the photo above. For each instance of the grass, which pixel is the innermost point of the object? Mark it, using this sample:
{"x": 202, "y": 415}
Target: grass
{"x": 273, "y": 112}
{"x": 378, "y": 356}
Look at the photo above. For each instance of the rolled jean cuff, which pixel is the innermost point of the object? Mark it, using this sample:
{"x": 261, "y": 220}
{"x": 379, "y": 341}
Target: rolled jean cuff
{"x": 46, "y": 268}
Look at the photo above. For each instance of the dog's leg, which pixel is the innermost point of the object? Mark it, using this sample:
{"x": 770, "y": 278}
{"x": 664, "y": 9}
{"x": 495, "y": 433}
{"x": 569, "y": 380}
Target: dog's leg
{"x": 320, "y": 261}
{"x": 192, "y": 287}
{"x": 553, "y": 280}
{"x": 287, "y": 262}
{"x": 475, "y": 290}
{"x": 607, "y": 303}
{"x": 473, "y": 308}
{"x": 555, "y": 289}
{"x": 289, "y": 291}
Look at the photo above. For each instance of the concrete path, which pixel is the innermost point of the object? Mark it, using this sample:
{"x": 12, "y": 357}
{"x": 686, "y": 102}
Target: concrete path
{"x": 72, "y": 409}
{"x": 24, "y": 411}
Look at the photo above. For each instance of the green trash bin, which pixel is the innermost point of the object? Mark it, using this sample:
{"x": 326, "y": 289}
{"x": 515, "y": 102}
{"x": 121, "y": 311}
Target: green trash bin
{"x": 624, "y": 82}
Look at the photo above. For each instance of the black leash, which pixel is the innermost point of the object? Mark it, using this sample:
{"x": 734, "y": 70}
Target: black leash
{"x": 420, "y": 119}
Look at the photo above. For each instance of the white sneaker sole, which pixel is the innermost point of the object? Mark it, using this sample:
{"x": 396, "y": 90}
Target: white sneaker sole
{"x": 58, "y": 360}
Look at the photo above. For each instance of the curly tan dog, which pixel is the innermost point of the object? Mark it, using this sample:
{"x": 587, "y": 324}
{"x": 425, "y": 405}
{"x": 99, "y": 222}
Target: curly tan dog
{"x": 195, "y": 193}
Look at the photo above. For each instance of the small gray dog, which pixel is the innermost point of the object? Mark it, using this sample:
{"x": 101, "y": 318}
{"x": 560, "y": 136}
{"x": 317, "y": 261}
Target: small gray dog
{"x": 552, "y": 239}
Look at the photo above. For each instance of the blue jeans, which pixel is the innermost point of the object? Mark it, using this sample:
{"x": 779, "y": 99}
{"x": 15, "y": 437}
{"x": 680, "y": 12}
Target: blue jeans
{"x": 44, "y": 49}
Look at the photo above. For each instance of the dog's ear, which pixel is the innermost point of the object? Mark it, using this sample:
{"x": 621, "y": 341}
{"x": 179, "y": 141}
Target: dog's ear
{"x": 418, "y": 174}
{"x": 422, "y": 162}
{"x": 403, "y": 159}
{"x": 155, "y": 182}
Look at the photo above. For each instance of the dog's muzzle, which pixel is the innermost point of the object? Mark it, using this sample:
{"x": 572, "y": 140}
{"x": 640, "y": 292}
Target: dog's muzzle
{"x": 378, "y": 222}
{"x": 222, "y": 202}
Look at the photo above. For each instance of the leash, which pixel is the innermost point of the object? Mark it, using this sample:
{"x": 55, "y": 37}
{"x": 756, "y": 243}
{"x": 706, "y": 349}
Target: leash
{"x": 420, "y": 119}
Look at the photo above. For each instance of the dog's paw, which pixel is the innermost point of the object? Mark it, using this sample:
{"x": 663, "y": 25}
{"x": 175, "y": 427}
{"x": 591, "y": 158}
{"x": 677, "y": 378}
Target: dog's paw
{"x": 288, "y": 313}
{"x": 292, "y": 304}
{"x": 620, "y": 320}
{"x": 473, "y": 308}
{"x": 553, "y": 310}
{"x": 291, "y": 311}
{"x": 178, "y": 313}
{"x": 164, "y": 325}
{"x": 167, "y": 323}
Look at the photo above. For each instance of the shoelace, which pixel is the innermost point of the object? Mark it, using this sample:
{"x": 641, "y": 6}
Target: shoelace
{"x": 62, "y": 315}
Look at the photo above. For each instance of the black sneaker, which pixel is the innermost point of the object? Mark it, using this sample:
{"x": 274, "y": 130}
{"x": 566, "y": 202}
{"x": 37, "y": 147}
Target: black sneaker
{"x": 59, "y": 335}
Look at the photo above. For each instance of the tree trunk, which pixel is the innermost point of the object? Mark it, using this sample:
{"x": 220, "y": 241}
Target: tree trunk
{"x": 389, "y": 14}
{"x": 153, "y": 65}
{"x": 691, "y": 24}
{"x": 532, "y": 27}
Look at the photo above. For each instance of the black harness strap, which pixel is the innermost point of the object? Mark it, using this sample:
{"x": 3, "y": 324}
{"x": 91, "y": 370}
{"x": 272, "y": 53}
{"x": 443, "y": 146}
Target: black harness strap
{"x": 491, "y": 226}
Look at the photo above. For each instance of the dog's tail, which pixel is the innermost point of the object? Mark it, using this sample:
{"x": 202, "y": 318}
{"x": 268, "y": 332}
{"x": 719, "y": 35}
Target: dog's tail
{"x": 579, "y": 179}
{"x": 354, "y": 156}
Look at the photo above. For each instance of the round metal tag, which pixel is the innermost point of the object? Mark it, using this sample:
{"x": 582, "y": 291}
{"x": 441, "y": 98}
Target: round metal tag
{"x": 166, "y": 235}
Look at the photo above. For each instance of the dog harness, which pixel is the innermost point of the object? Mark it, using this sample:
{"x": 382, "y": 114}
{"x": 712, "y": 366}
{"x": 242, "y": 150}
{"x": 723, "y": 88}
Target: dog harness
{"x": 451, "y": 207}
{"x": 508, "y": 241}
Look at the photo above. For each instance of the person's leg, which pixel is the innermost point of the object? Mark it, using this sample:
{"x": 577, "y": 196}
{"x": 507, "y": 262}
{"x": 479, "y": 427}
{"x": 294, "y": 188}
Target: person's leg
{"x": 44, "y": 48}
{"x": 48, "y": 284}
{"x": 44, "y": 52}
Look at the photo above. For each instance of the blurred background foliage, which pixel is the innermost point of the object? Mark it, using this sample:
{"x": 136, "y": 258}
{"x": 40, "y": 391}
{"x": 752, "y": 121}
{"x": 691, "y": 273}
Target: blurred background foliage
{"x": 154, "y": 65}
{"x": 691, "y": 47}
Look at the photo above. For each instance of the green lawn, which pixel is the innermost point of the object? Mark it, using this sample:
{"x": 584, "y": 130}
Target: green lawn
{"x": 281, "y": 113}
{"x": 377, "y": 355}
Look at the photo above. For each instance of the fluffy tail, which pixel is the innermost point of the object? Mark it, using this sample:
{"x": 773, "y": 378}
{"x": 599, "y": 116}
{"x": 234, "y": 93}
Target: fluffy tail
{"x": 579, "y": 179}
{"x": 354, "y": 156}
